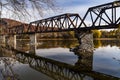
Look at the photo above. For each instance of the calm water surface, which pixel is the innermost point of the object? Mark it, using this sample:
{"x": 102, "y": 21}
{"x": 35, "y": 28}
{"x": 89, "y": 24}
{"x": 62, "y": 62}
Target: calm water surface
{"x": 54, "y": 61}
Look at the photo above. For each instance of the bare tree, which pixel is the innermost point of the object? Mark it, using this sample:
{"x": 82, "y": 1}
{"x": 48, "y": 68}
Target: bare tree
{"x": 23, "y": 8}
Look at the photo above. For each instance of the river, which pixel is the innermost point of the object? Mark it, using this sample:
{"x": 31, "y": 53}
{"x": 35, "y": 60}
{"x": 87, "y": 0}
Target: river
{"x": 53, "y": 60}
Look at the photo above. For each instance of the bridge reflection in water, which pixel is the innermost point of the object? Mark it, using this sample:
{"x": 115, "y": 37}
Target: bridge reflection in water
{"x": 58, "y": 70}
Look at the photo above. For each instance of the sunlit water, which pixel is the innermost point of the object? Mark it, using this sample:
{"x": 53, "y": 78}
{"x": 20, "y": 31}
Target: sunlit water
{"x": 105, "y": 59}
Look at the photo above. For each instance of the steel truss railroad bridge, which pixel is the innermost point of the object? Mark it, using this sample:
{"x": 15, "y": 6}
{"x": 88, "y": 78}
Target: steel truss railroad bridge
{"x": 105, "y": 16}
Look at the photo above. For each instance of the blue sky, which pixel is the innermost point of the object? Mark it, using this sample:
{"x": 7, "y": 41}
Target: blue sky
{"x": 69, "y": 3}
{"x": 78, "y": 6}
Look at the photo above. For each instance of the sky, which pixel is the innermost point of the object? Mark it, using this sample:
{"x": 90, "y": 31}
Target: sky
{"x": 74, "y": 6}
{"x": 70, "y": 6}
{"x": 78, "y": 6}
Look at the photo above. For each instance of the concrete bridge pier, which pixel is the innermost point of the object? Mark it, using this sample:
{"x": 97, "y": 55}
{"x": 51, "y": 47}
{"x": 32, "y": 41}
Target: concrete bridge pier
{"x": 3, "y": 39}
{"x": 33, "y": 43}
{"x": 11, "y": 40}
{"x": 85, "y": 39}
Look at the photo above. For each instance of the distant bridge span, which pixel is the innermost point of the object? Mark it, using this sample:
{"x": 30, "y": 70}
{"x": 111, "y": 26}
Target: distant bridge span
{"x": 105, "y": 16}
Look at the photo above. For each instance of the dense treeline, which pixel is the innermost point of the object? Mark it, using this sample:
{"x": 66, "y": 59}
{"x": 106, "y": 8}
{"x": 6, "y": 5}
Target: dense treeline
{"x": 115, "y": 33}
{"x": 51, "y": 35}
{"x": 70, "y": 35}
{"x": 107, "y": 34}
{"x": 64, "y": 35}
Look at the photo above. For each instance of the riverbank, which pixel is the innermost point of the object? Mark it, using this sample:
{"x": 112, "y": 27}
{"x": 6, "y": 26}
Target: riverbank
{"x": 51, "y": 39}
{"x": 106, "y": 39}
{"x": 72, "y": 39}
